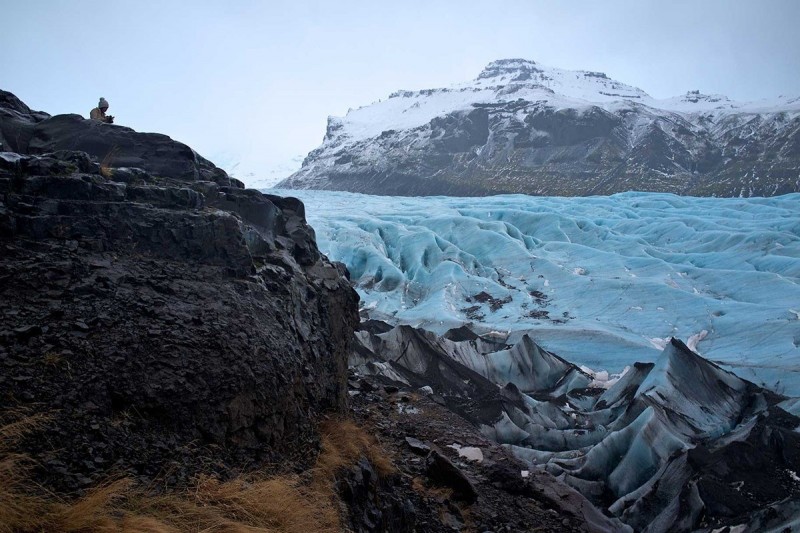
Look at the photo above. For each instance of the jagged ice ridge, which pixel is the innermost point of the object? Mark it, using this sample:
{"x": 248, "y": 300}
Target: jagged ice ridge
{"x": 601, "y": 281}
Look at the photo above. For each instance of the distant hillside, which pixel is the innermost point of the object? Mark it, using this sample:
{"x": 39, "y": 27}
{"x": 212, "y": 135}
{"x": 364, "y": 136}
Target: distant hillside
{"x": 520, "y": 127}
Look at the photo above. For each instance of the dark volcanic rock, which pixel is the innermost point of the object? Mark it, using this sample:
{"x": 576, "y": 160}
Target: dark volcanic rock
{"x": 732, "y": 482}
{"x": 168, "y": 324}
{"x": 417, "y": 446}
{"x": 17, "y": 122}
{"x": 443, "y": 472}
{"x": 376, "y": 504}
{"x": 27, "y": 132}
{"x": 506, "y": 501}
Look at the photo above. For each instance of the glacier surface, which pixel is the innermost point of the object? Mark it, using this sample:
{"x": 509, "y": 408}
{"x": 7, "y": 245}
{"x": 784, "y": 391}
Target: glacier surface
{"x": 667, "y": 447}
{"x": 601, "y": 281}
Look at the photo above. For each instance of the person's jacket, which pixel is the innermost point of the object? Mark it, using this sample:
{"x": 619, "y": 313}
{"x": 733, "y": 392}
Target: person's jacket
{"x": 98, "y": 114}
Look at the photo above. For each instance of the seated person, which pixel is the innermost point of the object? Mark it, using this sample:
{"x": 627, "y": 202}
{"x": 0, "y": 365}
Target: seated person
{"x": 99, "y": 112}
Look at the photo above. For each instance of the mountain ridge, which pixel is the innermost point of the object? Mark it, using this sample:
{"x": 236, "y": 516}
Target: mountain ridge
{"x": 521, "y": 127}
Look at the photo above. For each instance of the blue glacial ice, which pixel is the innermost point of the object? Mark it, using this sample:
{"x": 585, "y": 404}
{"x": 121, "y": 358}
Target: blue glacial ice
{"x": 600, "y": 281}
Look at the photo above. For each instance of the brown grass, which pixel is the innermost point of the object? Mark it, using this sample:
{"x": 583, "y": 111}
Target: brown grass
{"x": 18, "y": 505}
{"x": 248, "y": 504}
{"x": 343, "y": 442}
{"x": 431, "y": 491}
{"x": 105, "y": 165}
{"x": 106, "y": 171}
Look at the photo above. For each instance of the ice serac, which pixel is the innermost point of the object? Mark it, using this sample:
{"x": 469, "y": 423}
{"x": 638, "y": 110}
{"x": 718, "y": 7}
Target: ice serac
{"x": 521, "y": 127}
{"x": 406, "y": 356}
{"x": 710, "y": 400}
{"x": 678, "y": 445}
{"x": 168, "y": 325}
{"x": 525, "y": 365}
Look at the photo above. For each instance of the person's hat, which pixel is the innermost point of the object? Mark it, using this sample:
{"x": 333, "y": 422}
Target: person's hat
{"x": 103, "y": 103}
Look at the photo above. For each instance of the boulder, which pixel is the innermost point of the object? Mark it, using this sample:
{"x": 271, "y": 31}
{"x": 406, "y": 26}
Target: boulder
{"x": 443, "y": 472}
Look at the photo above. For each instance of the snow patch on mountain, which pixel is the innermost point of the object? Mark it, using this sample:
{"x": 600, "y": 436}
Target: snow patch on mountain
{"x": 519, "y": 79}
{"x": 520, "y": 125}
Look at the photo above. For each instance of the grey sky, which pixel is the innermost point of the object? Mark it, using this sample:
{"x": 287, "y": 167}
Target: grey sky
{"x": 254, "y": 81}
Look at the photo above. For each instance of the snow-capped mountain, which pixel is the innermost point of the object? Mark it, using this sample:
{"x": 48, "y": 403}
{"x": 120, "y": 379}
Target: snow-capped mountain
{"x": 523, "y": 127}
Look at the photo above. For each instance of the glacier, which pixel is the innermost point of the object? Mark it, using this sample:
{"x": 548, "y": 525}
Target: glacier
{"x": 555, "y": 325}
{"x": 602, "y": 282}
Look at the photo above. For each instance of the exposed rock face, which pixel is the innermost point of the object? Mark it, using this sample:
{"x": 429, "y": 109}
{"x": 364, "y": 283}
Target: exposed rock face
{"x": 375, "y": 504}
{"x": 34, "y": 132}
{"x": 521, "y": 127}
{"x": 168, "y": 324}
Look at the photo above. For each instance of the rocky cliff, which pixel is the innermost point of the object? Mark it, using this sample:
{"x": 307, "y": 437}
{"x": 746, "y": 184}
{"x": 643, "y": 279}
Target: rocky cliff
{"x": 166, "y": 320}
{"x": 521, "y": 127}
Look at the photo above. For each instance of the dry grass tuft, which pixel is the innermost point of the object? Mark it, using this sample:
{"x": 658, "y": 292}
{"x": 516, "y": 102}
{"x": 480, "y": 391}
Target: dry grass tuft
{"x": 106, "y": 171}
{"x": 90, "y": 513}
{"x": 270, "y": 505}
{"x": 343, "y": 442}
{"x": 16, "y": 424}
{"x": 437, "y": 493}
{"x": 105, "y": 165}
{"x": 18, "y": 505}
{"x": 248, "y": 504}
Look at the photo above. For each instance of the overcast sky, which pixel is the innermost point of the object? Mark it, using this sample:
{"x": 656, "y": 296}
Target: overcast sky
{"x": 252, "y": 82}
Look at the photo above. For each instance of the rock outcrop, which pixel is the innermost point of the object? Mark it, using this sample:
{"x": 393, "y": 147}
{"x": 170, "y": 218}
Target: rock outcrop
{"x": 166, "y": 320}
{"x": 33, "y": 132}
{"x": 521, "y": 127}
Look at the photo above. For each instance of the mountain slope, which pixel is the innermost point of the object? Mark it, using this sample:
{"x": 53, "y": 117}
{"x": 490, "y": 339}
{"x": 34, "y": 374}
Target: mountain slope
{"x": 520, "y": 127}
